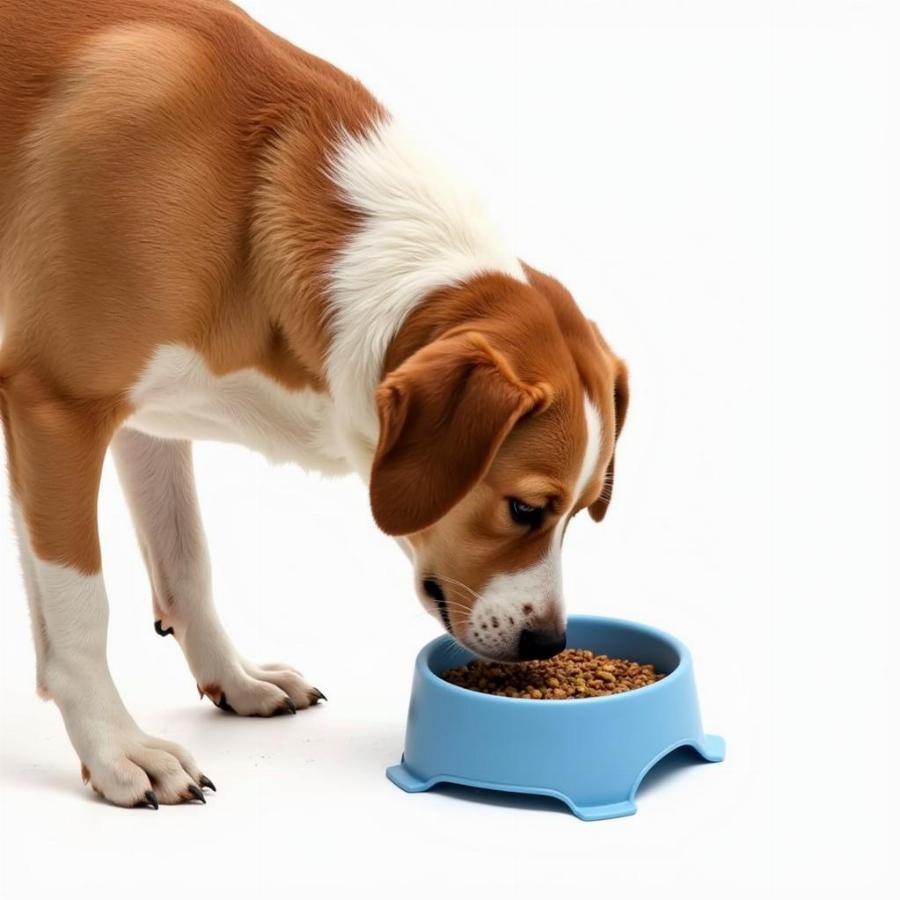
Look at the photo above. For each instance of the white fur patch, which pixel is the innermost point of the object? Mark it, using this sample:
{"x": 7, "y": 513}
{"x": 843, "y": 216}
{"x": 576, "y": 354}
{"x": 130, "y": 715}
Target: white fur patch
{"x": 592, "y": 448}
{"x": 177, "y": 396}
{"x": 158, "y": 479}
{"x": 75, "y": 614}
{"x": 510, "y": 602}
{"x": 422, "y": 231}
{"x": 29, "y": 575}
{"x": 122, "y": 762}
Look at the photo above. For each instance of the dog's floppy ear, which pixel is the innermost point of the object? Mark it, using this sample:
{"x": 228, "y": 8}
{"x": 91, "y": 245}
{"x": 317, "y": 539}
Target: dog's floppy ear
{"x": 620, "y": 399}
{"x": 443, "y": 414}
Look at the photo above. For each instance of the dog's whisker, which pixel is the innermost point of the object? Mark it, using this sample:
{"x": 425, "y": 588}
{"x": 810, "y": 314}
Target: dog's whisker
{"x": 457, "y": 606}
{"x": 454, "y": 593}
{"x": 455, "y": 581}
{"x": 456, "y": 598}
{"x": 457, "y": 603}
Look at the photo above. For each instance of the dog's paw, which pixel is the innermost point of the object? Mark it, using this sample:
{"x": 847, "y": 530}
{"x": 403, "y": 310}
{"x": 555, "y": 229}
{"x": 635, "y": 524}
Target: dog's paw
{"x": 265, "y": 690}
{"x": 135, "y": 769}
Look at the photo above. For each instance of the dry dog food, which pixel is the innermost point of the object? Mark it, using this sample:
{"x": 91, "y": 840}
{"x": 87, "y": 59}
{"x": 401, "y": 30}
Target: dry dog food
{"x": 570, "y": 674}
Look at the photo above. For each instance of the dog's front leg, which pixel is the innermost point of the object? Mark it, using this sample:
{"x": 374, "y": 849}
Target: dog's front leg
{"x": 158, "y": 479}
{"x": 55, "y": 459}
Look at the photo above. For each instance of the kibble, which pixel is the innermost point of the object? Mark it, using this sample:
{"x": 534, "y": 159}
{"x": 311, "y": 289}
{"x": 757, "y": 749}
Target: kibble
{"x": 570, "y": 675}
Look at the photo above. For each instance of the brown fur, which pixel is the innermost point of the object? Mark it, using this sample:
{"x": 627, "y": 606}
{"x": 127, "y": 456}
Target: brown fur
{"x": 534, "y": 340}
{"x": 162, "y": 181}
{"x": 444, "y": 414}
{"x": 603, "y": 373}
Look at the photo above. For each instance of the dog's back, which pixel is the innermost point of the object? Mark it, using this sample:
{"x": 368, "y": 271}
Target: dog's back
{"x": 130, "y": 153}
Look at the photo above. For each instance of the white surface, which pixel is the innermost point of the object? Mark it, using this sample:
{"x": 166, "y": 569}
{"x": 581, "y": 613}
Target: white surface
{"x": 717, "y": 185}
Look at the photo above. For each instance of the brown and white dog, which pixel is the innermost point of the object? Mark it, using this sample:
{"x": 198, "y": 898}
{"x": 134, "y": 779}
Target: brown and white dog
{"x": 206, "y": 233}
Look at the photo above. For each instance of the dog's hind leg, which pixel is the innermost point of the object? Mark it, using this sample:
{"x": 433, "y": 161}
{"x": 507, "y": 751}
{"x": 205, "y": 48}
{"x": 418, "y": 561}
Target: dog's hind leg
{"x": 158, "y": 478}
{"x": 56, "y": 452}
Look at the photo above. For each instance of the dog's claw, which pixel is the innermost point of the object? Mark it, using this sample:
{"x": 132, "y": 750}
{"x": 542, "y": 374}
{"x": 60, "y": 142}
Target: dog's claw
{"x": 205, "y": 782}
{"x": 163, "y": 632}
{"x": 197, "y": 793}
{"x": 289, "y": 706}
{"x": 151, "y": 800}
{"x": 318, "y": 694}
{"x": 224, "y": 705}
{"x": 200, "y": 692}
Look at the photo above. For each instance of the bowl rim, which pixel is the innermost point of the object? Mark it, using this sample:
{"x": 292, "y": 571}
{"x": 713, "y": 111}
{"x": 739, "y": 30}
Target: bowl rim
{"x": 684, "y": 661}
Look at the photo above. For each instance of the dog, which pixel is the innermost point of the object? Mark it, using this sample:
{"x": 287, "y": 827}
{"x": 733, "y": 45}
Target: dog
{"x": 207, "y": 233}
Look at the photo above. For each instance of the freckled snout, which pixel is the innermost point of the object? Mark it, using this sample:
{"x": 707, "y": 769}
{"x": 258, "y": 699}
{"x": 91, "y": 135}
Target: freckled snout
{"x": 541, "y": 644}
{"x": 517, "y": 617}
{"x": 514, "y": 631}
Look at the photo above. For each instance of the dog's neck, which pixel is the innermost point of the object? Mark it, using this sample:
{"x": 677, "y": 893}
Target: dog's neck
{"x": 402, "y": 230}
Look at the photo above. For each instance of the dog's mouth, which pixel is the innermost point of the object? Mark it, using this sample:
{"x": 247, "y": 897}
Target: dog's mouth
{"x": 432, "y": 589}
{"x": 436, "y": 592}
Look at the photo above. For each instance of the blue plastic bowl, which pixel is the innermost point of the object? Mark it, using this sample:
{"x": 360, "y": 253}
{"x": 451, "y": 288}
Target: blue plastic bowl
{"x": 592, "y": 754}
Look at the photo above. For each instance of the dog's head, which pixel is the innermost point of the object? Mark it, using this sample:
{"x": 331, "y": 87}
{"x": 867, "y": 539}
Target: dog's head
{"x": 495, "y": 432}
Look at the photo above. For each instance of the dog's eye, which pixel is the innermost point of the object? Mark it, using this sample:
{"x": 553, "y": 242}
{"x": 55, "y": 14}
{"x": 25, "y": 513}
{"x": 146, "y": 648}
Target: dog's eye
{"x": 525, "y": 514}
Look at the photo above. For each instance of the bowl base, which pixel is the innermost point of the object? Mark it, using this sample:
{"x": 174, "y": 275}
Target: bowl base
{"x": 710, "y": 747}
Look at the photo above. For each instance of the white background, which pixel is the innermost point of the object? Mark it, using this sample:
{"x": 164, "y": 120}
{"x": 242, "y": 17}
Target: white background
{"x": 716, "y": 182}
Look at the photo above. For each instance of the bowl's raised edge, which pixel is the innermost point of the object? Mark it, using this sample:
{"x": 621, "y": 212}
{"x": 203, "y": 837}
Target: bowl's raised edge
{"x": 684, "y": 660}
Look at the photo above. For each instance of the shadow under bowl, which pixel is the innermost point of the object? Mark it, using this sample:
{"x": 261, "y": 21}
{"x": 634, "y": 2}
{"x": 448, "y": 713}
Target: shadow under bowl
{"x": 590, "y": 753}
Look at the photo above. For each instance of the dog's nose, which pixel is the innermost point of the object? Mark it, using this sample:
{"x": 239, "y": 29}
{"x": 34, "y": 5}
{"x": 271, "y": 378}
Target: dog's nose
{"x": 541, "y": 644}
